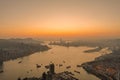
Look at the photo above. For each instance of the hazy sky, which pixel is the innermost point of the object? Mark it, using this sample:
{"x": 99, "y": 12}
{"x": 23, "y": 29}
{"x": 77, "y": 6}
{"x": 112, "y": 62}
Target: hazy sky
{"x": 59, "y": 18}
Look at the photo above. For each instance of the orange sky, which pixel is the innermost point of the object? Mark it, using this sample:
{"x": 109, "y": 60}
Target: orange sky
{"x": 57, "y": 18}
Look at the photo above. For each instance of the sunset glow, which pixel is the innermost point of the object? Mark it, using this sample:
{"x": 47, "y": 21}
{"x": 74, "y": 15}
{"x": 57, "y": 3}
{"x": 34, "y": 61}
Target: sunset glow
{"x": 59, "y": 18}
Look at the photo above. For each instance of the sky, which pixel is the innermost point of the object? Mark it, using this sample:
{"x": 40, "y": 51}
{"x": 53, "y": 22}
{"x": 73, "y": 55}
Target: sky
{"x": 60, "y": 18}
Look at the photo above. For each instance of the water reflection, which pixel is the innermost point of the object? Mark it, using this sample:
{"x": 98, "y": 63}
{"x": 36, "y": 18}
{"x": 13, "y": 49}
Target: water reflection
{"x": 58, "y": 55}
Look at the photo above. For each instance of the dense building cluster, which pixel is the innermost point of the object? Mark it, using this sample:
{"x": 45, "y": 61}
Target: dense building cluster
{"x": 12, "y": 49}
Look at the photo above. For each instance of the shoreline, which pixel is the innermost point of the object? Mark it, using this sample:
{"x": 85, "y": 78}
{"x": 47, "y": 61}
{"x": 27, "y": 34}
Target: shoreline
{"x": 18, "y": 49}
{"x": 96, "y": 73}
{"x": 105, "y": 67}
{"x": 29, "y": 52}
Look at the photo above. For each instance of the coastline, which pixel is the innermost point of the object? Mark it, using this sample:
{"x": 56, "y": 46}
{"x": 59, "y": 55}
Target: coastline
{"x": 18, "y": 49}
{"x": 90, "y": 70}
{"x": 105, "y": 67}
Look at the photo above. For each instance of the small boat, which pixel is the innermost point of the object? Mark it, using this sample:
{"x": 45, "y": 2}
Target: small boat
{"x": 38, "y": 66}
{"x": 1, "y": 71}
{"x": 79, "y": 65}
{"x": 20, "y": 62}
{"x": 47, "y": 66}
{"x": 19, "y": 78}
{"x": 66, "y": 72}
{"x": 63, "y": 61}
{"x": 60, "y": 65}
{"x": 77, "y": 71}
{"x": 68, "y": 67}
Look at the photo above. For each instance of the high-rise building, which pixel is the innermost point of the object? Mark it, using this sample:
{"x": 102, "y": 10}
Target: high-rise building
{"x": 52, "y": 68}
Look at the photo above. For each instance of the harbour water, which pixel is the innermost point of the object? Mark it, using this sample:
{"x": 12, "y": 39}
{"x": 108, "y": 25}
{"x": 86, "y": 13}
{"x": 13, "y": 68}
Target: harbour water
{"x": 67, "y": 56}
